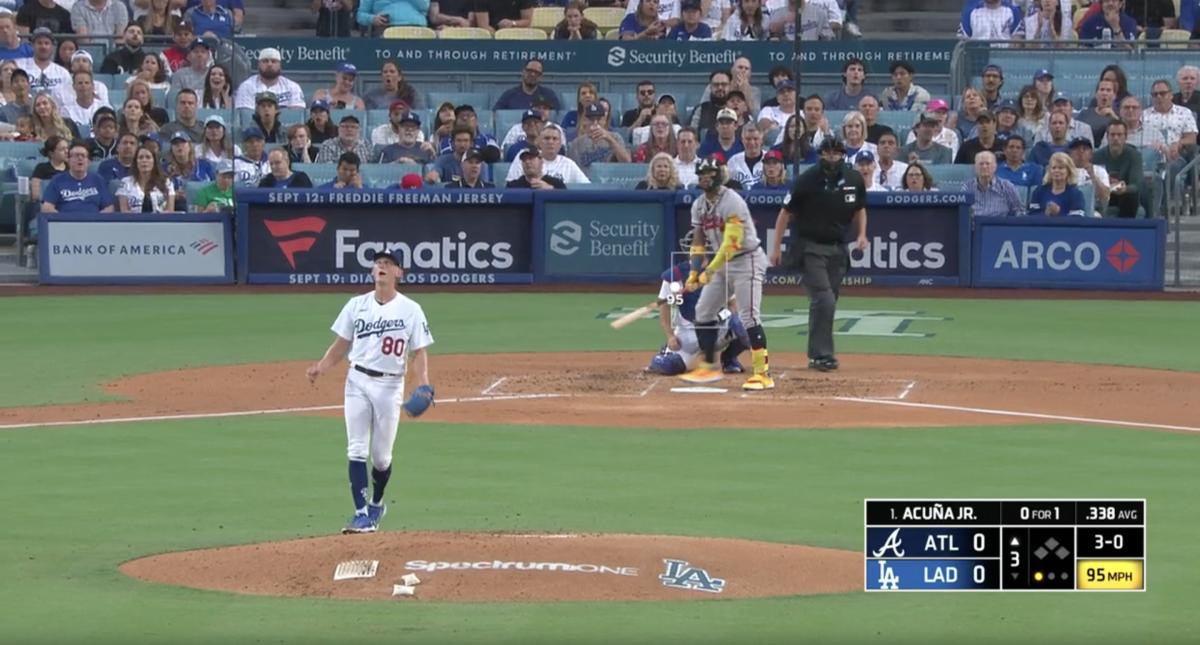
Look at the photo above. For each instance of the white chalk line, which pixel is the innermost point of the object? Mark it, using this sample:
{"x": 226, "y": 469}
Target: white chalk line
{"x": 907, "y": 388}
{"x": 488, "y": 390}
{"x": 1017, "y": 413}
{"x": 542, "y": 536}
{"x": 252, "y": 413}
{"x": 653, "y": 384}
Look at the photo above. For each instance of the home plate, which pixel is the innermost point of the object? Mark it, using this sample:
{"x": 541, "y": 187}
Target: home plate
{"x": 700, "y": 390}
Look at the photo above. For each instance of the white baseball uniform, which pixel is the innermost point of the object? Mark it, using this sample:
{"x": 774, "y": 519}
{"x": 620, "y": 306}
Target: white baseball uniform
{"x": 381, "y": 336}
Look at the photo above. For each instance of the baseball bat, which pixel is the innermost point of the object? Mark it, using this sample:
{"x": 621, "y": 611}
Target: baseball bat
{"x": 624, "y": 321}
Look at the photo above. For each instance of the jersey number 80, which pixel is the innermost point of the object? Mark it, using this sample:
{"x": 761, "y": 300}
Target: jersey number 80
{"x": 393, "y": 346}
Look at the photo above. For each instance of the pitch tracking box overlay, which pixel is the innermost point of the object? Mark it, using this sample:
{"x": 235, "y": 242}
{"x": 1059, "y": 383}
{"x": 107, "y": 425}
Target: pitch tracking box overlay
{"x": 1004, "y": 545}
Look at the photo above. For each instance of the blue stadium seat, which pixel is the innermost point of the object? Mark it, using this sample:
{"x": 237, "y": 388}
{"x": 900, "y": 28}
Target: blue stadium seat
{"x": 336, "y": 115}
{"x": 499, "y": 172}
{"x": 622, "y": 174}
{"x": 320, "y": 173}
{"x": 505, "y": 120}
{"x": 592, "y": 186}
{"x": 116, "y": 96}
{"x": 951, "y": 176}
{"x": 13, "y": 150}
{"x": 191, "y": 189}
{"x": 1089, "y": 200}
{"x": 25, "y": 167}
{"x": 895, "y": 120}
{"x": 383, "y": 175}
{"x": 477, "y": 100}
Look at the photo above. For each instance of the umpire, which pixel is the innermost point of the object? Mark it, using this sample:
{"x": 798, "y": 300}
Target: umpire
{"x": 824, "y": 201}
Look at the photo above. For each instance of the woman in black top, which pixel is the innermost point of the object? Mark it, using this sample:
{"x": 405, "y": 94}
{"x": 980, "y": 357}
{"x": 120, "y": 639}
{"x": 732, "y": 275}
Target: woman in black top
{"x": 320, "y": 127}
{"x": 55, "y": 151}
{"x": 574, "y": 26}
{"x": 217, "y": 93}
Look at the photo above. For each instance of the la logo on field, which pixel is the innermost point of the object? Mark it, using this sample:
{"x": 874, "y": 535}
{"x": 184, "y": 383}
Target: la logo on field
{"x": 853, "y": 322}
{"x": 681, "y": 575}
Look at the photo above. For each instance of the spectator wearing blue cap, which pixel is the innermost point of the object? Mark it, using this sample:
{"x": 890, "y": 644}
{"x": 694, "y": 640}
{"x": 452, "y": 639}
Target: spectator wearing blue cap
{"x": 773, "y": 117}
{"x": 103, "y": 142}
{"x": 595, "y": 142}
{"x": 341, "y": 96}
{"x": 217, "y": 196}
{"x": 250, "y": 166}
{"x": 181, "y": 164}
{"x": 77, "y": 190}
{"x": 320, "y": 127}
{"x": 348, "y": 139}
{"x": 524, "y": 134}
{"x": 522, "y": 96}
{"x": 281, "y": 174}
{"x": 465, "y": 117}
{"x": 1015, "y": 168}
{"x": 691, "y": 27}
{"x": 407, "y": 149}
{"x": 1075, "y": 128}
{"x": 385, "y": 134}
{"x": 1008, "y": 121}
{"x": 864, "y": 163}
{"x": 472, "y": 172}
{"x": 209, "y": 17}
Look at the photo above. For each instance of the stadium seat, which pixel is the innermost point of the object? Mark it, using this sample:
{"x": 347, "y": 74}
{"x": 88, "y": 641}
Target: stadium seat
{"x": 626, "y": 175}
{"x": 382, "y": 175}
{"x": 894, "y": 119}
{"x": 336, "y": 115}
{"x": 191, "y": 190}
{"x": 25, "y": 167}
{"x": 465, "y": 33}
{"x": 319, "y": 173}
{"x": 606, "y": 18}
{"x": 545, "y": 19}
{"x": 13, "y": 150}
{"x": 613, "y": 34}
{"x": 1177, "y": 38}
{"x": 410, "y": 32}
{"x": 951, "y": 176}
{"x": 505, "y": 120}
{"x": 1089, "y": 201}
{"x": 477, "y": 100}
{"x": 593, "y": 186}
{"x": 499, "y": 172}
{"x": 521, "y": 33}
{"x": 116, "y": 97}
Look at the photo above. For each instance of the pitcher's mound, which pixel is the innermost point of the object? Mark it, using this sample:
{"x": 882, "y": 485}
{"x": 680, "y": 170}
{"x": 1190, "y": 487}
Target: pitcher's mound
{"x": 475, "y": 567}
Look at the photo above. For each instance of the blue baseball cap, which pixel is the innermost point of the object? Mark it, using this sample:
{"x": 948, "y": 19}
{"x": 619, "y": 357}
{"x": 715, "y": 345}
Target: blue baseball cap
{"x": 993, "y": 68}
{"x": 689, "y": 4}
{"x": 594, "y": 111}
{"x": 530, "y": 114}
{"x": 1061, "y": 96}
{"x": 785, "y": 84}
{"x": 865, "y": 156}
{"x": 347, "y": 68}
{"x": 180, "y": 136}
{"x": 319, "y": 104}
{"x": 253, "y": 132}
{"x": 1043, "y": 73}
{"x": 1007, "y": 104}
{"x": 1080, "y": 141}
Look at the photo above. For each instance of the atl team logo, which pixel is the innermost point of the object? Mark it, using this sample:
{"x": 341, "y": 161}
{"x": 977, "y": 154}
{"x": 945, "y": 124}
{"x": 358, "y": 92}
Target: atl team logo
{"x": 681, "y": 575}
{"x": 295, "y": 235}
{"x": 1122, "y": 255}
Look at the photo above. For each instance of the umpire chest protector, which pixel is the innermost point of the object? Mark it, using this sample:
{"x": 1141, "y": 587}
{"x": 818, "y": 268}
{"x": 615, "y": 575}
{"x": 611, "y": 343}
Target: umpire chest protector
{"x": 822, "y": 206}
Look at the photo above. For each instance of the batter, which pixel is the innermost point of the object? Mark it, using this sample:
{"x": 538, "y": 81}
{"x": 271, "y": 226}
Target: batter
{"x": 721, "y": 221}
{"x": 379, "y": 332}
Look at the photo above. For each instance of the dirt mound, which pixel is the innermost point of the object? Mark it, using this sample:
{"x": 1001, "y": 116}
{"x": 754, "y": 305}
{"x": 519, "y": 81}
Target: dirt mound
{"x": 477, "y": 567}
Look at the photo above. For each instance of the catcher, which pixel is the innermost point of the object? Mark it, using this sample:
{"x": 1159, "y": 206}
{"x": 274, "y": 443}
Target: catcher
{"x": 379, "y": 332}
{"x": 721, "y": 220}
{"x": 681, "y": 352}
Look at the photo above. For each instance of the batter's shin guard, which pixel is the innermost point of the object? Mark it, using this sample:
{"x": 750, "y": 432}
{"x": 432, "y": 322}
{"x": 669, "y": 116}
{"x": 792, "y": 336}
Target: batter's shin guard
{"x": 758, "y": 351}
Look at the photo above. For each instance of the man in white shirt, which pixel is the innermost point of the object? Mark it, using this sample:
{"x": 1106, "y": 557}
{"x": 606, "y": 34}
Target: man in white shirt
{"x": 388, "y": 133}
{"x": 83, "y": 107}
{"x": 44, "y": 74}
{"x": 64, "y": 94}
{"x": 270, "y": 78}
{"x": 776, "y": 116}
{"x": 1075, "y": 127}
{"x": 747, "y": 166}
{"x": 553, "y": 164}
{"x": 1090, "y": 176}
{"x": 1175, "y": 122}
{"x": 686, "y": 143}
{"x": 864, "y": 163}
{"x": 890, "y": 173}
{"x": 993, "y": 20}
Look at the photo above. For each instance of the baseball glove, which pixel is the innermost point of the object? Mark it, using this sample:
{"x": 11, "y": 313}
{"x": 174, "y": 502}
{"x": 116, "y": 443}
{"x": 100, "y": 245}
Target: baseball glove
{"x": 419, "y": 402}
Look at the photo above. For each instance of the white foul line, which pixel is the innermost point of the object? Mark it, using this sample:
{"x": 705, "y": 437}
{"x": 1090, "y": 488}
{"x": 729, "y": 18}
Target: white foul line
{"x": 488, "y": 389}
{"x": 907, "y": 388}
{"x": 1014, "y": 413}
{"x": 251, "y": 413}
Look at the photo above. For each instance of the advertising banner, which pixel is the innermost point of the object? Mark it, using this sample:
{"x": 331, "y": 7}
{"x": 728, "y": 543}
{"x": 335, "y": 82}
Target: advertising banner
{"x": 916, "y": 239}
{"x": 609, "y": 238}
{"x": 1069, "y": 253}
{"x": 135, "y": 249}
{"x": 445, "y": 237}
{"x": 929, "y": 56}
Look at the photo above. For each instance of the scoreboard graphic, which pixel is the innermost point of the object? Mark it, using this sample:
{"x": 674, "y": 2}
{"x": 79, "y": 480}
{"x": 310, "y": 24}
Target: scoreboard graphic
{"x": 1005, "y": 545}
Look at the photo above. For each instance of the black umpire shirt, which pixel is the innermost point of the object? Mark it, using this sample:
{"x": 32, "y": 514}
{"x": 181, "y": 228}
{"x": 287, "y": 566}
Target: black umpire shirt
{"x": 823, "y": 207}
{"x": 523, "y": 182}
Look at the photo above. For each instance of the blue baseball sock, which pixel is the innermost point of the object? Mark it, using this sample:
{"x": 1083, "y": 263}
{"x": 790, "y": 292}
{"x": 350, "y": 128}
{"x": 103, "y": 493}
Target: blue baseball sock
{"x": 381, "y": 478}
{"x": 358, "y": 485}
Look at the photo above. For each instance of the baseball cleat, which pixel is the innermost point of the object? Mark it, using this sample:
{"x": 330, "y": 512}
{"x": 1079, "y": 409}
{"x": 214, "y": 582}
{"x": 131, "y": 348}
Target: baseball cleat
{"x": 733, "y": 367}
{"x": 360, "y": 524}
{"x": 827, "y": 364}
{"x": 704, "y": 373}
{"x": 759, "y": 382}
{"x": 376, "y": 513}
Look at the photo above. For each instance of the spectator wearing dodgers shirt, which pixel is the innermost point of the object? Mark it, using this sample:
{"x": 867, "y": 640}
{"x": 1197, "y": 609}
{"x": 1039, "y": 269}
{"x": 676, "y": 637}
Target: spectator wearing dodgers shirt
{"x": 270, "y": 78}
{"x": 691, "y": 27}
{"x": 209, "y": 17}
{"x": 77, "y": 190}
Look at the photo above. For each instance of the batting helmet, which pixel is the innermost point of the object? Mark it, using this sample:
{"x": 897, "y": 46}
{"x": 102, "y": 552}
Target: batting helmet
{"x": 710, "y": 164}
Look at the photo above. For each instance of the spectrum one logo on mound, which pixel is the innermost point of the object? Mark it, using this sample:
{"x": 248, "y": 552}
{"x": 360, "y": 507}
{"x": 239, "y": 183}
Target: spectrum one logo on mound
{"x": 565, "y": 237}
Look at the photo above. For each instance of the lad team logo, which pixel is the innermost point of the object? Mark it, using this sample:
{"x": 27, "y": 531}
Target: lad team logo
{"x": 681, "y": 575}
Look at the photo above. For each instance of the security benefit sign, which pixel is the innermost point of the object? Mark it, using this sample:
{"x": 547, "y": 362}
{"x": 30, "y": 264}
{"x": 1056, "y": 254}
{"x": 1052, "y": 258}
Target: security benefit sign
{"x": 135, "y": 249}
{"x": 436, "y": 244}
{"x": 1079, "y": 253}
{"x": 625, "y": 239}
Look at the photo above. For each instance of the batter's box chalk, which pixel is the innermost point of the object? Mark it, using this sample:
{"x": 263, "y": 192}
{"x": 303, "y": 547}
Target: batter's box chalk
{"x": 700, "y": 390}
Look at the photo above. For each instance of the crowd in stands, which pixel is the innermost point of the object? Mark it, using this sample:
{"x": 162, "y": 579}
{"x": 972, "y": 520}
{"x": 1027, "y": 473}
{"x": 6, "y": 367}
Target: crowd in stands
{"x": 643, "y": 19}
{"x": 1021, "y": 149}
{"x": 1100, "y": 23}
